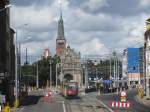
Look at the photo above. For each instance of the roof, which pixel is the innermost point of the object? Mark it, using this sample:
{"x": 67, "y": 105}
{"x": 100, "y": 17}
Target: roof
{"x": 60, "y": 34}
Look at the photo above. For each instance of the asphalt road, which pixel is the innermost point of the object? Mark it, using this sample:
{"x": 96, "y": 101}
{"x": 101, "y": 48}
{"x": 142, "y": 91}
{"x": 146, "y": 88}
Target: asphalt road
{"x": 135, "y": 105}
{"x": 84, "y": 103}
{"x": 35, "y": 103}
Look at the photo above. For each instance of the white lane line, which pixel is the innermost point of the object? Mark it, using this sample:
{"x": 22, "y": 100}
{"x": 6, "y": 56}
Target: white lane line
{"x": 105, "y": 106}
{"x": 64, "y": 107}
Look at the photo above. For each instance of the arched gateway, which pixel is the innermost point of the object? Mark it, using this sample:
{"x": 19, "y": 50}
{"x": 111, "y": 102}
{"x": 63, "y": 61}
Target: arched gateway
{"x": 71, "y": 66}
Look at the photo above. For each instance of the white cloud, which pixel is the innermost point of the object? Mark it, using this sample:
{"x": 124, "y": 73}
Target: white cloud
{"x": 36, "y": 18}
{"x": 144, "y": 3}
{"x": 94, "y": 5}
{"x": 134, "y": 29}
{"x": 93, "y": 47}
{"x": 92, "y": 33}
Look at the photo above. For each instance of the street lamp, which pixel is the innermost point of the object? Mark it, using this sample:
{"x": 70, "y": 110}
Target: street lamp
{"x": 95, "y": 63}
{"x": 50, "y": 72}
{"x": 6, "y": 6}
{"x": 16, "y": 66}
{"x": 37, "y": 74}
{"x": 83, "y": 73}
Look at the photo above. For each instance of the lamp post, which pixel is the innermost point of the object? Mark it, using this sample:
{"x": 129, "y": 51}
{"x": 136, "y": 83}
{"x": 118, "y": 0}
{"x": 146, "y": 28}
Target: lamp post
{"x": 6, "y": 6}
{"x": 83, "y": 66}
{"x": 50, "y": 73}
{"x": 16, "y": 65}
{"x": 37, "y": 75}
{"x": 95, "y": 63}
{"x": 56, "y": 77}
{"x": 16, "y": 72}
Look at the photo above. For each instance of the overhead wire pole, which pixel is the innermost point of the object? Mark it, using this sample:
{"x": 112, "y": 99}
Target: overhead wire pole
{"x": 117, "y": 72}
{"x": 56, "y": 77}
{"x": 16, "y": 71}
{"x": 20, "y": 61}
{"x": 85, "y": 77}
{"x": 144, "y": 72}
{"x": 50, "y": 73}
{"x": 110, "y": 66}
{"x": 37, "y": 75}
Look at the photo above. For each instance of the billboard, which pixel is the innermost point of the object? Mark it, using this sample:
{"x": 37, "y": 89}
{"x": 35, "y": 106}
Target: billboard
{"x": 135, "y": 60}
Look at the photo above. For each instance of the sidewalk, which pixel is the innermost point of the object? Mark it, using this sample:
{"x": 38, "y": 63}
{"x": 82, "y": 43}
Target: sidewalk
{"x": 144, "y": 101}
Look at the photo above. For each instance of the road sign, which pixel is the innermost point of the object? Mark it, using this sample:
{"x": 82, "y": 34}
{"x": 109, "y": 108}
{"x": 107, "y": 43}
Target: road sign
{"x": 122, "y": 103}
{"x": 123, "y": 96}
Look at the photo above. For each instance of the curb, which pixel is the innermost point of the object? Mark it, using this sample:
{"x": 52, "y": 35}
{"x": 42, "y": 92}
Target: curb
{"x": 138, "y": 100}
{"x": 17, "y": 110}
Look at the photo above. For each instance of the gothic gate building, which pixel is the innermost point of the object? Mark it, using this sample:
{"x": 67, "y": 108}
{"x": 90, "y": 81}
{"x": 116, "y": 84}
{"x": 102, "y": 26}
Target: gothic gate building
{"x": 71, "y": 66}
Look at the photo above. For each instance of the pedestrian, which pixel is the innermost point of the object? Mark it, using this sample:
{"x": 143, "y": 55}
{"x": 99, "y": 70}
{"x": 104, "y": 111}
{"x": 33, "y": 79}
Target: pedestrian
{"x": 7, "y": 108}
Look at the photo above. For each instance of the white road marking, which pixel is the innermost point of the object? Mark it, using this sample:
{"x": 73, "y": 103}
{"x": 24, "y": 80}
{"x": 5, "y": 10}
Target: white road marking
{"x": 105, "y": 106}
{"x": 64, "y": 107}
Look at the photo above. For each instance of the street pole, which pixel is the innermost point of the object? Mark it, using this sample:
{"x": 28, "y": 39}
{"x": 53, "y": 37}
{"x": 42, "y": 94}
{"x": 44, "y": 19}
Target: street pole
{"x": 144, "y": 72}
{"x": 61, "y": 72}
{"x": 117, "y": 72}
{"x": 19, "y": 55}
{"x": 50, "y": 73}
{"x": 147, "y": 76}
{"x": 16, "y": 70}
{"x": 110, "y": 68}
{"x": 37, "y": 76}
{"x": 85, "y": 73}
{"x": 56, "y": 76}
{"x": 26, "y": 56}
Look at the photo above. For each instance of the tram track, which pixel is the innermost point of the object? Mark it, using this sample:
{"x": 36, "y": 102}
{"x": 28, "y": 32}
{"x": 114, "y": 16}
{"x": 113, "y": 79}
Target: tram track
{"x": 84, "y": 104}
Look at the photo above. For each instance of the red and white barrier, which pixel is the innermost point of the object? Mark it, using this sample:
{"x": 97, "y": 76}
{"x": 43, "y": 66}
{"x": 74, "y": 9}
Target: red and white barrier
{"x": 120, "y": 104}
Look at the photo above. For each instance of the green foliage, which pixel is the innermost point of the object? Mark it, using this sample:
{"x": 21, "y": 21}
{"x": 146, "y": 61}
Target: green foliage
{"x": 30, "y": 71}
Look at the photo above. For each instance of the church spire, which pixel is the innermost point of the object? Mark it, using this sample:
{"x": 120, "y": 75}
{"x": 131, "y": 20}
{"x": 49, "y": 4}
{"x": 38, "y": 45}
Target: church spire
{"x": 60, "y": 34}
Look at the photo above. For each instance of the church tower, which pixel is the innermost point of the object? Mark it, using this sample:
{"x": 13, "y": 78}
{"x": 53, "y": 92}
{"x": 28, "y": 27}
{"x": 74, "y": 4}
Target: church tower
{"x": 60, "y": 41}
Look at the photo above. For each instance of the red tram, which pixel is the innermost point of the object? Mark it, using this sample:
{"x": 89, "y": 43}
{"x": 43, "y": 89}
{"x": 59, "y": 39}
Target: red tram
{"x": 69, "y": 89}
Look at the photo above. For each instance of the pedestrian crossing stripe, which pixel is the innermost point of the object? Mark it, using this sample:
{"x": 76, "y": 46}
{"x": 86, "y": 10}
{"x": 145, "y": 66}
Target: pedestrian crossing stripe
{"x": 120, "y": 104}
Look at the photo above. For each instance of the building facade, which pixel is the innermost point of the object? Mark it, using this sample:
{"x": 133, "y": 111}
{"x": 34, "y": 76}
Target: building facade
{"x": 71, "y": 66}
{"x": 7, "y": 52}
{"x": 46, "y": 54}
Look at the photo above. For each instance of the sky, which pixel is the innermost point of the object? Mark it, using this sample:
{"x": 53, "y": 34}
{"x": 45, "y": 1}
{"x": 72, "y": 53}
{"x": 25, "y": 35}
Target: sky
{"x": 94, "y": 27}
